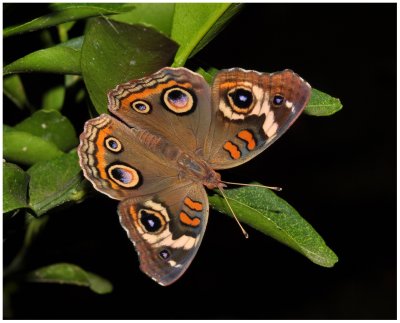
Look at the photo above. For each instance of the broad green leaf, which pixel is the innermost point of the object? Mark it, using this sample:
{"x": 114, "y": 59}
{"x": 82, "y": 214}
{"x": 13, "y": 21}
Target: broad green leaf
{"x": 61, "y": 59}
{"x": 52, "y": 127}
{"x": 124, "y": 52}
{"x": 156, "y": 15}
{"x": 53, "y": 99}
{"x": 322, "y": 104}
{"x": 64, "y": 12}
{"x": 15, "y": 187}
{"x": 55, "y": 182}
{"x": 265, "y": 211}
{"x": 65, "y": 273}
{"x": 196, "y": 24}
{"x": 14, "y": 90}
{"x": 24, "y": 148}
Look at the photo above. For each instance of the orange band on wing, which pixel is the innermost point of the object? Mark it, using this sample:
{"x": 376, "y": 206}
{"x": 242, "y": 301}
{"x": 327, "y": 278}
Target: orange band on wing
{"x": 232, "y": 149}
{"x": 186, "y": 219}
{"x": 248, "y": 137}
{"x": 196, "y": 206}
{"x": 101, "y": 162}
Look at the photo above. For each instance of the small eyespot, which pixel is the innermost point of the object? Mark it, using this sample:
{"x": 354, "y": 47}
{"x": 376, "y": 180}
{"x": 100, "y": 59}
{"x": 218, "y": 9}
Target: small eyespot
{"x": 241, "y": 100}
{"x": 124, "y": 175}
{"x": 164, "y": 254}
{"x": 141, "y": 106}
{"x": 278, "y": 100}
{"x": 178, "y": 100}
{"x": 113, "y": 144}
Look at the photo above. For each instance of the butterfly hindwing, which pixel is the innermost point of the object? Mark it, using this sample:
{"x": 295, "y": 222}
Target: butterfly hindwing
{"x": 250, "y": 111}
{"x": 166, "y": 229}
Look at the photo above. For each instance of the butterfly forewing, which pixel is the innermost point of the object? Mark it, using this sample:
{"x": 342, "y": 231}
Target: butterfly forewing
{"x": 174, "y": 102}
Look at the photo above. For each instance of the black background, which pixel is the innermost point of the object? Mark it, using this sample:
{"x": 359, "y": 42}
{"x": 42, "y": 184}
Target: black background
{"x": 338, "y": 172}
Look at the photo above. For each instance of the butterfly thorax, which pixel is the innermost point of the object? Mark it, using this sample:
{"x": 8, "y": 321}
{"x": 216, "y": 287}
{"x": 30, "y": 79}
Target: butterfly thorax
{"x": 198, "y": 170}
{"x": 190, "y": 166}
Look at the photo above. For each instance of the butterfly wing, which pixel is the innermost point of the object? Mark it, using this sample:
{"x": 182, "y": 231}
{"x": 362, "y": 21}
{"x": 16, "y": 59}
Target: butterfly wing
{"x": 166, "y": 229}
{"x": 174, "y": 102}
{"x": 250, "y": 111}
{"x": 117, "y": 161}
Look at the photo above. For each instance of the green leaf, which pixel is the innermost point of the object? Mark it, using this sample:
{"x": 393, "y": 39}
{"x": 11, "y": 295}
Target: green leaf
{"x": 196, "y": 24}
{"x": 322, "y": 104}
{"x": 53, "y": 99}
{"x": 124, "y": 52}
{"x": 55, "y": 182}
{"x": 52, "y": 127}
{"x": 62, "y": 59}
{"x": 64, "y": 12}
{"x": 14, "y": 90}
{"x": 15, "y": 187}
{"x": 208, "y": 75}
{"x": 24, "y": 148}
{"x": 65, "y": 273}
{"x": 156, "y": 15}
{"x": 265, "y": 211}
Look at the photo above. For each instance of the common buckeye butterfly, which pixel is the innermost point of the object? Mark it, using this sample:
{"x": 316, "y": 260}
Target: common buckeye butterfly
{"x": 166, "y": 136}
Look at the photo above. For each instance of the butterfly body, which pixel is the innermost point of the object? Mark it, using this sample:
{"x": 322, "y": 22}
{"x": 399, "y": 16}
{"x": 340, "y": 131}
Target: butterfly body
{"x": 170, "y": 133}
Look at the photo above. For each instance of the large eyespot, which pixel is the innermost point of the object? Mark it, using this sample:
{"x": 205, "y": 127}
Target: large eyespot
{"x": 178, "y": 100}
{"x": 113, "y": 144}
{"x": 241, "y": 100}
{"x": 151, "y": 221}
{"x": 278, "y": 100}
{"x": 141, "y": 106}
{"x": 124, "y": 175}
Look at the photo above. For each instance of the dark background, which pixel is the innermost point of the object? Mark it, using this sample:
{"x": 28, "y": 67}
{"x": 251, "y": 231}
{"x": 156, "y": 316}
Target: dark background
{"x": 339, "y": 172}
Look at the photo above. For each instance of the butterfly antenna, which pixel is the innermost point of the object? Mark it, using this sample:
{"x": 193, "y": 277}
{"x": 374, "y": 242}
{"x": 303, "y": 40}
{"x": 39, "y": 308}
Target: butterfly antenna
{"x": 275, "y": 188}
{"x": 246, "y": 235}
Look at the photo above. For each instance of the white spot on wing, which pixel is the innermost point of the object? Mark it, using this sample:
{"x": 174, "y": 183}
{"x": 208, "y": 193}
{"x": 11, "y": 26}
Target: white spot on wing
{"x": 268, "y": 121}
{"x": 289, "y": 104}
{"x": 271, "y": 131}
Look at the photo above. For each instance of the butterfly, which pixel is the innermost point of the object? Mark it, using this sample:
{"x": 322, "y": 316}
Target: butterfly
{"x": 163, "y": 141}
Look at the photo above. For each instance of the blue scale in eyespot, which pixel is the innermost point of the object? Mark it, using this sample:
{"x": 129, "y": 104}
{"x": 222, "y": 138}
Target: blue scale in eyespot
{"x": 242, "y": 98}
{"x": 141, "y": 107}
{"x": 113, "y": 144}
{"x": 122, "y": 175}
{"x": 178, "y": 98}
{"x": 164, "y": 254}
{"x": 278, "y": 99}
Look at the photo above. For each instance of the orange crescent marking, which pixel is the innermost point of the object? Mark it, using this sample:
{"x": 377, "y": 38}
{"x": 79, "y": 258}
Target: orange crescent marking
{"x": 101, "y": 162}
{"x": 185, "y": 219}
{"x": 143, "y": 94}
{"x": 196, "y": 206}
{"x": 248, "y": 137}
{"x": 232, "y": 149}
